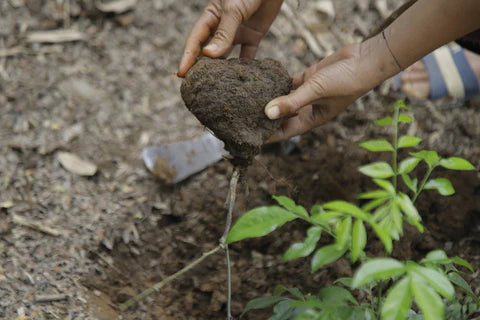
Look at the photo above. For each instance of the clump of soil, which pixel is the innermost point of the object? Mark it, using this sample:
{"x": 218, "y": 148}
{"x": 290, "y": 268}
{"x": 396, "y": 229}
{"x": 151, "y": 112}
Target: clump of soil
{"x": 228, "y": 96}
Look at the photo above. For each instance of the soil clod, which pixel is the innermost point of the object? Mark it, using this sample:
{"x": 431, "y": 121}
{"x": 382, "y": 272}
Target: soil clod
{"x": 228, "y": 96}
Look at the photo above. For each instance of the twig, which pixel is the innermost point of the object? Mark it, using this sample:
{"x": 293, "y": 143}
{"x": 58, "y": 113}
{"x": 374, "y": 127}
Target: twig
{"x": 37, "y": 225}
{"x": 50, "y": 298}
{"x": 165, "y": 281}
{"x": 66, "y": 14}
{"x": 221, "y": 245}
{"x": 15, "y": 51}
{"x": 307, "y": 35}
{"x": 391, "y": 18}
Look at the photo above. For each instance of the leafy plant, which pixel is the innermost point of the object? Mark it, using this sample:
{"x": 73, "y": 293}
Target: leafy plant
{"x": 428, "y": 283}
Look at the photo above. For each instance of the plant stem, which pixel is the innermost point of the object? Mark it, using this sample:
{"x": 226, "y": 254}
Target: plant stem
{"x": 229, "y": 285}
{"x": 231, "y": 204}
{"x": 165, "y": 281}
{"x": 379, "y": 302}
{"x": 395, "y": 147}
{"x": 424, "y": 181}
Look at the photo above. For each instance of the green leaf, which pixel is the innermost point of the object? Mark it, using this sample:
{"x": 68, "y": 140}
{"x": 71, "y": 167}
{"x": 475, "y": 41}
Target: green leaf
{"x": 436, "y": 255}
{"x": 407, "y": 206}
{"x": 404, "y": 118}
{"x": 442, "y": 185}
{"x": 359, "y": 239}
{"x": 384, "y": 121}
{"x": 455, "y": 163}
{"x": 336, "y": 294}
{"x": 346, "y": 281}
{"x": 430, "y": 157}
{"x": 279, "y": 289}
{"x": 326, "y": 218}
{"x": 427, "y": 299}
{"x": 411, "y": 184}
{"x": 380, "y": 170}
{"x": 377, "y": 269}
{"x": 388, "y": 225}
{"x": 457, "y": 280}
{"x": 346, "y": 207}
{"x": 259, "y": 222}
{"x": 462, "y": 262}
{"x": 373, "y": 204}
{"x": 398, "y": 301}
{"x": 290, "y": 205}
{"x": 396, "y": 217}
{"x": 440, "y": 257}
{"x": 262, "y": 303}
{"x": 343, "y": 232}
{"x": 379, "y": 145}
{"x": 383, "y": 236}
{"x": 400, "y": 104}
{"x": 436, "y": 280}
{"x": 385, "y": 184}
{"x": 374, "y": 194}
{"x": 408, "y": 141}
{"x": 310, "y": 314}
{"x": 408, "y": 164}
{"x": 316, "y": 209}
{"x": 325, "y": 256}
{"x": 282, "y": 310}
{"x": 303, "y": 249}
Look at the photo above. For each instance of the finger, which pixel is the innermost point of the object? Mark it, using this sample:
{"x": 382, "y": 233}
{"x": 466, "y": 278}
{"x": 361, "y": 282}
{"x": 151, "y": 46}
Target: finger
{"x": 294, "y": 126}
{"x": 224, "y": 35}
{"x": 308, "y": 118}
{"x": 248, "y": 51}
{"x": 200, "y": 33}
{"x": 307, "y": 93}
{"x": 414, "y": 76}
{"x": 297, "y": 80}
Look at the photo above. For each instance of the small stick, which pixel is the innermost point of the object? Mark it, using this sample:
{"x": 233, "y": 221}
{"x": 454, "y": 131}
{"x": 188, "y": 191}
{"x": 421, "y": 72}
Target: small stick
{"x": 14, "y": 51}
{"x": 50, "y": 298}
{"x": 397, "y": 13}
{"x": 307, "y": 35}
{"x": 165, "y": 281}
{"x": 37, "y": 225}
{"x": 66, "y": 14}
{"x": 222, "y": 245}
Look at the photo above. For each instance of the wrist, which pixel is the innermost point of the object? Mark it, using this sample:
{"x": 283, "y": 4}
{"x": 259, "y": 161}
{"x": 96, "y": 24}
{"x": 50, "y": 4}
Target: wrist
{"x": 378, "y": 61}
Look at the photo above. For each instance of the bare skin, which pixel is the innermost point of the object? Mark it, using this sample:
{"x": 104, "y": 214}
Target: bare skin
{"x": 331, "y": 85}
{"x": 415, "y": 83}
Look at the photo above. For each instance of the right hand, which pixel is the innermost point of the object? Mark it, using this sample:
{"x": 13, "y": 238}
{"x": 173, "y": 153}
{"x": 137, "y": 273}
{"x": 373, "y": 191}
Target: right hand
{"x": 227, "y": 23}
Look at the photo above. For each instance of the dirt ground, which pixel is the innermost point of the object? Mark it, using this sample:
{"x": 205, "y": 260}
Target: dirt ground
{"x": 111, "y": 235}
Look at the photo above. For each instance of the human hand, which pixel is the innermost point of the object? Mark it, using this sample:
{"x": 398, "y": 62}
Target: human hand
{"x": 227, "y": 23}
{"x": 324, "y": 90}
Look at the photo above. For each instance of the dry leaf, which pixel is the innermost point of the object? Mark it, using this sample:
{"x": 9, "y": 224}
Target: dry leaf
{"x": 6, "y": 204}
{"x": 56, "y": 36}
{"x": 118, "y": 6}
{"x": 74, "y": 164}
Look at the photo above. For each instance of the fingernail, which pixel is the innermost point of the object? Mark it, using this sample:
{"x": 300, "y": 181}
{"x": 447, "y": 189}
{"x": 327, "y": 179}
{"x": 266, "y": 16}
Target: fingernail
{"x": 212, "y": 47}
{"x": 273, "y": 112}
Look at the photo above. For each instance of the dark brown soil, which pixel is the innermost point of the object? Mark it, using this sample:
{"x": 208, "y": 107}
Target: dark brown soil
{"x": 228, "y": 96}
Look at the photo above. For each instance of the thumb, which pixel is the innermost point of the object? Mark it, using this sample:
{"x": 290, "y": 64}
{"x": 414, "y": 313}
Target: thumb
{"x": 222, "y": 40}
{"x": 288, "y": 105}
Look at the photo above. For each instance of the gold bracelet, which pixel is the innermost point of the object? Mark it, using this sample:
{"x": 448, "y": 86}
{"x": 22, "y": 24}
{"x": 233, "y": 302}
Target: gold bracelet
{"x": 389, "y": 49}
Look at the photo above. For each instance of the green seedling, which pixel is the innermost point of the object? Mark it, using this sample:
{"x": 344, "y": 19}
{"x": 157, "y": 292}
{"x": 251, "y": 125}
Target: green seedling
{"x": 430, "y": 283}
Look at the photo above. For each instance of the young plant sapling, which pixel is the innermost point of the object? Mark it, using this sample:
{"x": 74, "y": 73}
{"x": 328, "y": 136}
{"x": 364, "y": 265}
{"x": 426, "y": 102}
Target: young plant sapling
{"x": 387, "y": 208}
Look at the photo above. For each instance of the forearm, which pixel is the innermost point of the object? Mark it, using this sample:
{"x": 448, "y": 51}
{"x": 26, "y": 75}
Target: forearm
{"x": 425, "y": 26}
